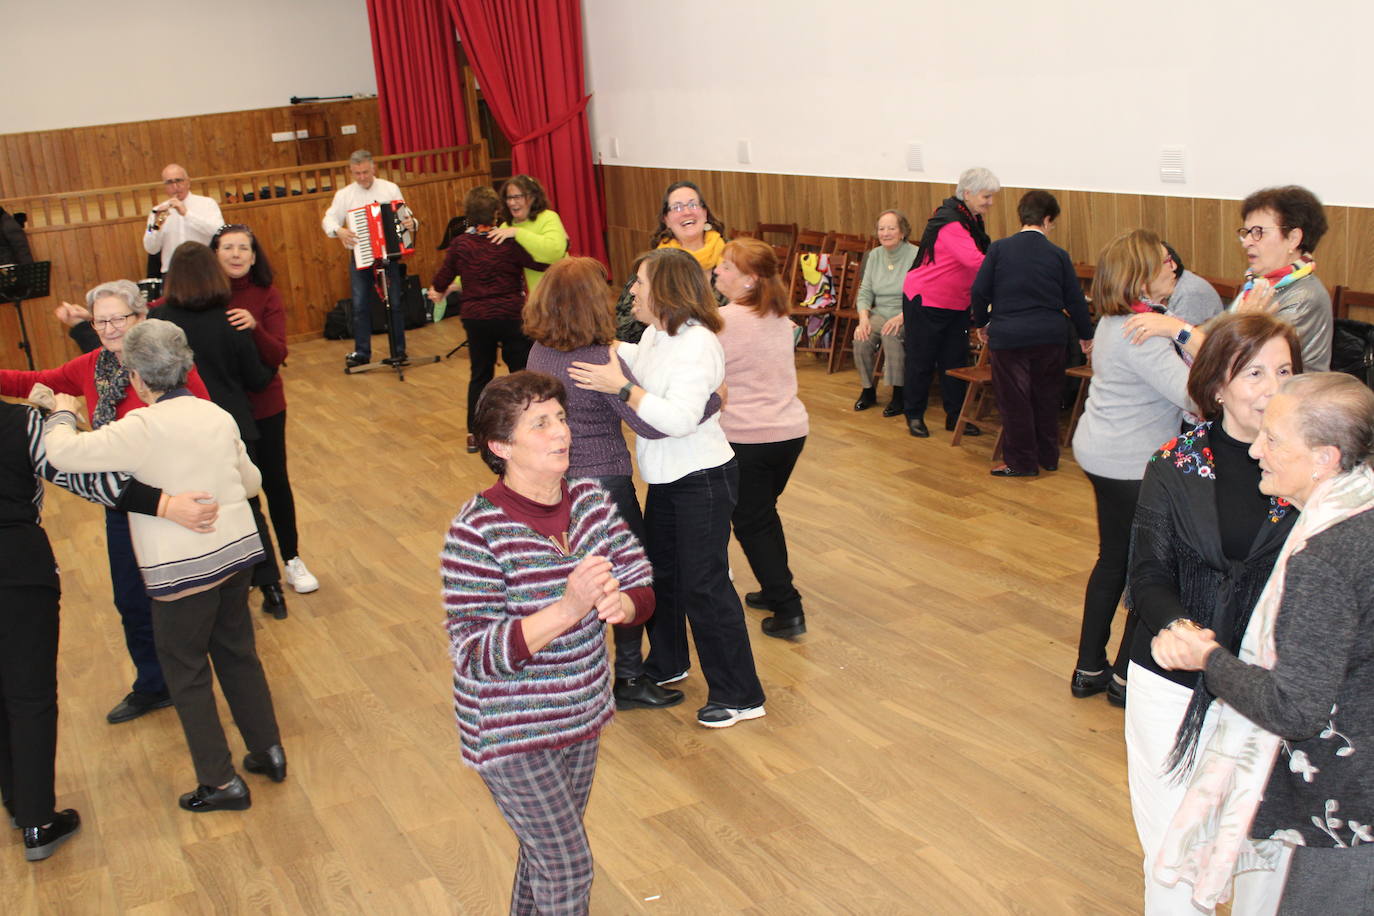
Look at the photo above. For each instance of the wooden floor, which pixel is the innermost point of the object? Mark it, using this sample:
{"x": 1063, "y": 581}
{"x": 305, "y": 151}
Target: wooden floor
{"x": 921, "y": 752}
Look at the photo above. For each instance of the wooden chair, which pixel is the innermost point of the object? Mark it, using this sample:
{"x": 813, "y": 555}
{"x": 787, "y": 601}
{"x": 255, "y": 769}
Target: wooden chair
{"x": 1225, "y": 289}
{"x": 1084, "y": 374}
{"x": 841, "y": 274}
{"x": 1085, "y": 273}
{"x": 978, "y": 398}
{"x": 779, "y": 234}
{"x": 743, "y": 234}
{"x": 809, "y": 241}
{"x": 1346, "y": 297}
{"x": 847, "y": 315}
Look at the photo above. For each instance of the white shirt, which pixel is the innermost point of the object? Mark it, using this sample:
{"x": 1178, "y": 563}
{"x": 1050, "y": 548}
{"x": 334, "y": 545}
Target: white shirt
{"x": 678, "y": 374}
{"x": 354, "y": 196}
{"x": 201, "y": 222}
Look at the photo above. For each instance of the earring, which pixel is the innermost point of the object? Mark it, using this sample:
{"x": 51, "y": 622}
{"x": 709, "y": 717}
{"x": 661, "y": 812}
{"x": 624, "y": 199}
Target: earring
{"x": 1219, "y": 399}
{"x": 748, "y": 286}
{"x": 1315, "y": 475}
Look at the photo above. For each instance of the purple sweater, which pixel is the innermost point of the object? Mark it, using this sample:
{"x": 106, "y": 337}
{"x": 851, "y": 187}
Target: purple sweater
{"x": 496, "y": 572}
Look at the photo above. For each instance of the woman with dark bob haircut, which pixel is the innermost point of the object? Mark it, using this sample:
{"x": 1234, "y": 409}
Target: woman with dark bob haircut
{"x": 1282, "y": 797}
{"x": 196, "y": 296}
{"x": 526, "y": 217}
{"x": 532, "y": 568}
{"x": 693, "y": 483}
{"x": 1205, "y": 539}
{"x": 569, "y": 319}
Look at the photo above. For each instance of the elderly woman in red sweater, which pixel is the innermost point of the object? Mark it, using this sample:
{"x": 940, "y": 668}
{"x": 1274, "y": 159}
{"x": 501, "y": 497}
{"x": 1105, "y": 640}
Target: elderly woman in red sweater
{"x": 763, "y": 419}
{"x": 256, "y": 306}
{"x": 493, "y": 278}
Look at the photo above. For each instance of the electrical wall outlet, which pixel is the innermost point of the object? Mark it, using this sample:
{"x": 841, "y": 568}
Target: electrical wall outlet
{"x": 743, "y": 153}
{"x": 282, "y": 136}
{"x": 302, "y": 134}
{"x": 349, "y": 129}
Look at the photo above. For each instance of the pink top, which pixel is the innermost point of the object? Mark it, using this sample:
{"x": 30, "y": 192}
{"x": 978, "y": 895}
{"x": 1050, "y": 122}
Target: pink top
{"x": 945, "y": 284}
{"x": 761, "y": 403}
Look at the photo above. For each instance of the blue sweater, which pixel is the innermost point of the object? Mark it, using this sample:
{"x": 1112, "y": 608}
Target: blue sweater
{"x": 1030, "y": 282}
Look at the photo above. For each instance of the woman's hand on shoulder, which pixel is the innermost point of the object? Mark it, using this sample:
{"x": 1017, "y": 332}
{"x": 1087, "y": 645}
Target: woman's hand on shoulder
{"x": 603, "y": 377}
{"x": 497, "y": 236}
{"x": 241, "y": 319}
{"x": 1141, "y": 326}
{"x": 1261, "y": 298}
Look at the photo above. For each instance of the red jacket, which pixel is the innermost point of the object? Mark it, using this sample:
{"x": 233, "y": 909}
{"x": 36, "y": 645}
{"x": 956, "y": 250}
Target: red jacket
{"x": 77, "y": 378}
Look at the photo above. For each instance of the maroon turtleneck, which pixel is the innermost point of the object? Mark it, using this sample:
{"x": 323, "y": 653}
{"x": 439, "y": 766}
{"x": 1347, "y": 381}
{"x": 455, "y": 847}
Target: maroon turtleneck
{"x": 263, "y": 303}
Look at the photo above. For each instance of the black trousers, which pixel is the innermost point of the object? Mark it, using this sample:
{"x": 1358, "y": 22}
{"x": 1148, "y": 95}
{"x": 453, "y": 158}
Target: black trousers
{"x": 764, "y": 469}
{"x": 629, "y": 640}
{"x": 485, "y": 336}
{"x": 1116, "y": 501}
{"x": 28, "y": 690}
{"x": 132, "y": 601}
{"x": 276, "y": 483}
{"x": 688, "y": 523}
{"x": 1028, "y": 382}
{"x": 935, "y": 339}
{"x": 193, "y": 631}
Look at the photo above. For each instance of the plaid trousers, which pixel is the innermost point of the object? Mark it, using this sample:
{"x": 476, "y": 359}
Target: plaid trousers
{"x": 542, "y": 795}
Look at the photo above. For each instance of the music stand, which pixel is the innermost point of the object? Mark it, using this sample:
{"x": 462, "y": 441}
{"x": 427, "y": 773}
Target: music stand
{"x": 395, "y": 243}
{"x": 26, "y": 281}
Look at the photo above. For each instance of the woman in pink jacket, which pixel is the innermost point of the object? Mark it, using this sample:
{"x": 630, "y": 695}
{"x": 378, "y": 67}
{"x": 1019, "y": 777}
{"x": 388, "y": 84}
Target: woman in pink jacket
{"x": 935, "y": 298}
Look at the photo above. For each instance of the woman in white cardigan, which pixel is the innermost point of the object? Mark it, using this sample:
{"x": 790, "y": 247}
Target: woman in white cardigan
{"x": 693, "y": 483}
{"x": 199, "y": 582}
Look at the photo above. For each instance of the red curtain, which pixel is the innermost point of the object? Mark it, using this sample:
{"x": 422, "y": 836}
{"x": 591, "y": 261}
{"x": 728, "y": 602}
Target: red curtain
{"x": 419, "y": 82}
{"x": 527, "y": 55}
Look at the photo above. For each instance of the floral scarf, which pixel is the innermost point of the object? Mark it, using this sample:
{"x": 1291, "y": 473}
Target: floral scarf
{"x": 1284, "y": 276}
{"x": 111, "y": 387}
{"x": 708, "y": 255}
{"x": 1208, "y": 841}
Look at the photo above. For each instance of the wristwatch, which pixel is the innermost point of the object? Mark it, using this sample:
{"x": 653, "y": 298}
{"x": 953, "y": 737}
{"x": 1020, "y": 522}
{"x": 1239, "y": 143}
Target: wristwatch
{"x": 1184, "y": 335}
{"x": 624, "y": 393}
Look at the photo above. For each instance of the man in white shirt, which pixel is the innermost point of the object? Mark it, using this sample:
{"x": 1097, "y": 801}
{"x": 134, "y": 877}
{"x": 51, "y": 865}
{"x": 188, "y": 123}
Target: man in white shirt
{"x": 367, "y": 188}
{"x": 182, "y": 217}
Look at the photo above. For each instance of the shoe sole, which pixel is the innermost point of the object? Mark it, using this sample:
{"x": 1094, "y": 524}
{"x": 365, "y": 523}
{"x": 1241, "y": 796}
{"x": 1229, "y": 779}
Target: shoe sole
{"x": 622, "y": 705}
{"x": 786, "y": 632}
{"x": 674, "y": 679}
{"x": 757, "y": 712}
{"x": 304, "y": 591}
{"x": 242, "y": 804}
{"x": 1083, "y": 693}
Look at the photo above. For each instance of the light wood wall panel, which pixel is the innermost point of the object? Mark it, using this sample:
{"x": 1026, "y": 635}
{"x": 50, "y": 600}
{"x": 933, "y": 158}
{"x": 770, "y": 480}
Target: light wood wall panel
{"x": 311, "y": 269}
{"x": 1201, "y": 229}
{"x": 110, "y": 155}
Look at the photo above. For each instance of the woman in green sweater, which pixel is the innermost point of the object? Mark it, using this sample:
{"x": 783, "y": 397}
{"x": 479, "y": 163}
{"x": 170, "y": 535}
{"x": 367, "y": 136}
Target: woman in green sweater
{"x": 526, "y": 217}
{"x": 880, "y": 303}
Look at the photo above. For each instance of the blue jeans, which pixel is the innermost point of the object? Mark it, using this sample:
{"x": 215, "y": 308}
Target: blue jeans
{"x": 135, "y": 607}
{"x": 688, "y": 527}
{"x": 629, "y": 653}
{"x": 364, "y": 297}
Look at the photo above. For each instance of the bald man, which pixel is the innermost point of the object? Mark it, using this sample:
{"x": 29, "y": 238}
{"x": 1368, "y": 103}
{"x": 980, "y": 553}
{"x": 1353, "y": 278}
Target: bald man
{"x": 182, "y": 217}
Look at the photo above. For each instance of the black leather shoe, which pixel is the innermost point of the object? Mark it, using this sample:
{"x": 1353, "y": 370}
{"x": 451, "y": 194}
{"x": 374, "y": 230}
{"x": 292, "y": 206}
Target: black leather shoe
{"x": 41, "y": 842}
{"x": 1116, "y": 693}
{"x": 1050, "y": 467}
{"x": 917, "y": 427}
{"x": 271, "y": 762}
{"x": 892, "y": 409}
{"x": 642, "y": 693}
{"x": 137, "y": 704}
{"x": 273, "y": 601}
{"x": 1005, "y": 471}
{"x": 969, "y": 428}
{"x": 784, "y": 627}
{"x": 233, "y": 797}
{"x": 1085, "y": 685}
{"x": 755, "y": 601}
{"x": 867, "y": 398}
{"x": 353, "y": 360}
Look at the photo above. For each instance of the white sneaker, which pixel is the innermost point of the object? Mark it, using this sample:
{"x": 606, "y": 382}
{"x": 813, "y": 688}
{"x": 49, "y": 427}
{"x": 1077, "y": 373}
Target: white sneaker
{"x": 715, "y": 716}
{"x": 300, "y": 578}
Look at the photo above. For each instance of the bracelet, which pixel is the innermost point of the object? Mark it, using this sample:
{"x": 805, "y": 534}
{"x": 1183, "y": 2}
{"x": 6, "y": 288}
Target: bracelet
{"x": 1183, "y": 622}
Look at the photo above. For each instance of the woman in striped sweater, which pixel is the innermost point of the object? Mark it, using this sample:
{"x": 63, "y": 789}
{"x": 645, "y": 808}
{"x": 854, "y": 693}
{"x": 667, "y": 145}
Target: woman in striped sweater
{"x": 533, "y": 567}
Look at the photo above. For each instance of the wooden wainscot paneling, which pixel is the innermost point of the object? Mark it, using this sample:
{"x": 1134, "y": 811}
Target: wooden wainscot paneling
{"x": 311, "y": 269}
{"x": 1201, "y": 229}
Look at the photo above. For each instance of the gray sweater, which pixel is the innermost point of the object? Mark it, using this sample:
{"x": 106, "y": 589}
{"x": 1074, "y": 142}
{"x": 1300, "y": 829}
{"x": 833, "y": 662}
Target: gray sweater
{"x": 1135, "y": 403}
{"x": 1306, "y": 305}
{"x": 1194, "y": 300}
{"x": 1319, "y": 696}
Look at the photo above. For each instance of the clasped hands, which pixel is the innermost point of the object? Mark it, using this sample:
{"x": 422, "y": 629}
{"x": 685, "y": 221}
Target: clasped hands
{"x": 1183, "y": 646}
{"x": 592, "y": 587}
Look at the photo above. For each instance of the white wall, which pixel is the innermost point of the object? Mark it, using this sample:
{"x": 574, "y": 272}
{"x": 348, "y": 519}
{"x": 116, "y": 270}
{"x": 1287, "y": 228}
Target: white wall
{"x": 70, "y": 63}
{"x": 1075, "y": 94}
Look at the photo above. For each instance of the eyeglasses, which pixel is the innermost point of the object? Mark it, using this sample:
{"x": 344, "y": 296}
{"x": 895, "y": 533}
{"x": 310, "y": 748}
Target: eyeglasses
{"x": 175, "y": 181}
{"x": 511, "y": 197}
{"x": 1257, "y": 232}
{"x": 117, "y": 322}
{"x": 686, "y": 205}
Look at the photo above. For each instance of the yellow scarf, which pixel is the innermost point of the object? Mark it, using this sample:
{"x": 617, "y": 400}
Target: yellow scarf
{"x": 708, "y": 255}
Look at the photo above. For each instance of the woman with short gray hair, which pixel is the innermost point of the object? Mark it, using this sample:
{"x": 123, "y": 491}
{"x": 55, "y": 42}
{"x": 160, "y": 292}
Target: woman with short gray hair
{"x": 198, "y": 582}
{"x": 116, "y": 308}
{"x": 1285, "y": 789}
{"x": 935, "y": 299}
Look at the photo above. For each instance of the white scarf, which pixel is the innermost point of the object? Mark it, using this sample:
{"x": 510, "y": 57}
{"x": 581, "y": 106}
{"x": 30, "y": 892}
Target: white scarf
{"x": 1208, "y": 841}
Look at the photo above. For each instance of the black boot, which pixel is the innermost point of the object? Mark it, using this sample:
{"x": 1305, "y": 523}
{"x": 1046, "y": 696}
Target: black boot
{"x": 273, "y": 601}
{"x": 867, "y": 398}
{"x": 897, "y": 404}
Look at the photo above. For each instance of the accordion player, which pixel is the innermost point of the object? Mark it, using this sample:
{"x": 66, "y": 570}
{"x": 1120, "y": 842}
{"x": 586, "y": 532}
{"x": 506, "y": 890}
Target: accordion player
{"x": 380, "y": 233}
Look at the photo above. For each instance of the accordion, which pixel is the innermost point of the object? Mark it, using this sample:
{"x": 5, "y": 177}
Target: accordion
{"x": 380, "y": 235}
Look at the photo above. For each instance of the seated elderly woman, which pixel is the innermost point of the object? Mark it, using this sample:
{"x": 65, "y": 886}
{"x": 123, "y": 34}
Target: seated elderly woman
{"x": 1288, "y": 764}
{"x": 880, "y": 311}
{"x": 533, "y": 567}
{"x": 198, "y": 582}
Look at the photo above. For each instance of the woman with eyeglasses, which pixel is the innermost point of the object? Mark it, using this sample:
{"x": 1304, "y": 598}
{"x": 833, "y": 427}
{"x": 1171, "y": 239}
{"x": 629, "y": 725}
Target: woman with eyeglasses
{"x": 1137, "y": 400}
{"x": 526, "y": 217}
{"x": 101, "y": 377}
{"x": 686, "y": 222}
{"x": 256, "y": 306}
